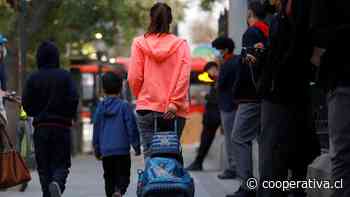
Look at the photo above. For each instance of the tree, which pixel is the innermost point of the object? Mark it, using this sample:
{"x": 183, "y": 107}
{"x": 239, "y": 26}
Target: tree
{"x": 9, "y": 25}
{"x": 72, "y": 22}
{"x": 207, "y": 4}
{"x": 76, "y": 21}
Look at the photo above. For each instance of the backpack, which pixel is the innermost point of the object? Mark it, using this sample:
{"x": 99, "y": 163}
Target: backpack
{"x": 164, "y": 174}
{"x": 164, "y": 177}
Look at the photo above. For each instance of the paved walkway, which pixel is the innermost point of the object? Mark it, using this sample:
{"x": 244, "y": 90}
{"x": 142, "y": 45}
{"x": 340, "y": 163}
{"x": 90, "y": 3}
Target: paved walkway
{"x": 86, "y": 180}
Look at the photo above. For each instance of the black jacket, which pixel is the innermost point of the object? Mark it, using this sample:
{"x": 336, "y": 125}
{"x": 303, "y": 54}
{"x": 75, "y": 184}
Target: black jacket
{"x": 212, "y": 98}
{"x": 330, "y": 26}
{"x": 245, "y": 90}
{"x": 226, "y": 83}
{"x": 211, "y": 116}
{"x": 335, "y": 64}
{"x": 50, "y": 95}
{"x": 288, "y": 72}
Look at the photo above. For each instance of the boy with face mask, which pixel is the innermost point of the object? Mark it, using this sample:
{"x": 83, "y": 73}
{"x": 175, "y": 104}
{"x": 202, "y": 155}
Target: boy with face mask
{"x": 225, "y": 85}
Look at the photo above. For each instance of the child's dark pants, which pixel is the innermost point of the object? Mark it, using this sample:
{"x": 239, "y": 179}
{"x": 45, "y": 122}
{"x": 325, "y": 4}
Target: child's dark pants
{"x": 116, "y": 173}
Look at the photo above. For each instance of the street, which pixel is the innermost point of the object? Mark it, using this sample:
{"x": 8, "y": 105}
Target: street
{"x": 86, "y": 180}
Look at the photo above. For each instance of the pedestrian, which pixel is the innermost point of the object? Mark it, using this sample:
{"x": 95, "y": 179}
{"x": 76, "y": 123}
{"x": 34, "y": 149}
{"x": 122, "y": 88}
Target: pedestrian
{"x": 288, "y": 142}
{"x": 331, "y": 29}
{"x": 159, "y": 76}
{"x": 247, "y": 121}
{"x": 225, "y": 85}
{"x": 25, "y": 133}
{"x": 50, "y": 96}
{"x": 3, "y": 117}
{"x": 211, "y": 120}
{"x": 115, "y": 130}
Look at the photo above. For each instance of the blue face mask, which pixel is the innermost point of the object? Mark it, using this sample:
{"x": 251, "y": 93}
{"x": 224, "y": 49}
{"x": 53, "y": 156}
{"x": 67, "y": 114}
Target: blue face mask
{"x": 220, "y": 56}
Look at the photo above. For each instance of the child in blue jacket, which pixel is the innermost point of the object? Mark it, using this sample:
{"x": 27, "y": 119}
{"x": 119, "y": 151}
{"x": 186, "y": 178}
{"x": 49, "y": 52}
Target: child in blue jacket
{"x": 115, "y": 130}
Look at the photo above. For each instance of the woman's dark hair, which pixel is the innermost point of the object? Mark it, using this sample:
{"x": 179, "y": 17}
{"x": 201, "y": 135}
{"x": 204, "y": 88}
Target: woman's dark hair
{"x": 258, "y": 9}
{"x": 112, "y": 83}
{"x": 210, "y": 65}
{"x": 161, "y": 18}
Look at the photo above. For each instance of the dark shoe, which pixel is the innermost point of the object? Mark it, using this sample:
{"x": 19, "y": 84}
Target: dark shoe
{"x": 227, "y": 175}
{"x": 195, "y": 166}
{"x": 55, "y": 190}
{"x": 242, "y": 193}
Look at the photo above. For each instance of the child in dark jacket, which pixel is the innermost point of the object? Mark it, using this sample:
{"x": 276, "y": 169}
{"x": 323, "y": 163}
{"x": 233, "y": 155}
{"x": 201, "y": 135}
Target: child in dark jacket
{"x": 115, "y": 130}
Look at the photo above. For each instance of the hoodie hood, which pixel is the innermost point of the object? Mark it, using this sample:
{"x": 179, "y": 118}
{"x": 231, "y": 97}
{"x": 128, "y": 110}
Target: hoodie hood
{"x": 111, "y": 106}
{"x": 48, "y": 55}
{"x": 159, "y": 47}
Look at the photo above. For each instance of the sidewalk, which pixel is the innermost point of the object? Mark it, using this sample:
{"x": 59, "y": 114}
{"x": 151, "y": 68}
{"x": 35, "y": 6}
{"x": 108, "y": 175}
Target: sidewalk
{"x": 86, "y": 180}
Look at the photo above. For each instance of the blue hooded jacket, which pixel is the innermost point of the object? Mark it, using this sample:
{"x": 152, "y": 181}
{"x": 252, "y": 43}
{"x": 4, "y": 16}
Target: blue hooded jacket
{"x": 115, "y": 128}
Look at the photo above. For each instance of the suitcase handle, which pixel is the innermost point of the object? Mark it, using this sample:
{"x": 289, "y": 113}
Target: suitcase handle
{"x": 156, "y": 116}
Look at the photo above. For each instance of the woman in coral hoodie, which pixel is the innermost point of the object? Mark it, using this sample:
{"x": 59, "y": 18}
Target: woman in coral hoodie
{"x": 159, "y": 76}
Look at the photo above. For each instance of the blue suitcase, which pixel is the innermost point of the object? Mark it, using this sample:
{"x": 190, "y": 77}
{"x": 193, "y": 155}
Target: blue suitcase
{"x": 164, "y": 177}
{"x": 164, "y": 174}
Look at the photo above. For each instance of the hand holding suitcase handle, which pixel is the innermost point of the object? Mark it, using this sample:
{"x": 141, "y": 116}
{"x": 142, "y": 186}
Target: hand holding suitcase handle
{"x": 170, "y": 113}
{"x": 155, "y": 116}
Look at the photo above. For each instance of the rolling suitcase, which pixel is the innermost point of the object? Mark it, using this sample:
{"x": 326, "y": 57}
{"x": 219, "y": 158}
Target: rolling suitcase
{"x": 164, "y": 174}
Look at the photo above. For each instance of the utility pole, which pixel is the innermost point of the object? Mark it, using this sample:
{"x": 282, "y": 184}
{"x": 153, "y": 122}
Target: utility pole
{"x": 237, "y": 21}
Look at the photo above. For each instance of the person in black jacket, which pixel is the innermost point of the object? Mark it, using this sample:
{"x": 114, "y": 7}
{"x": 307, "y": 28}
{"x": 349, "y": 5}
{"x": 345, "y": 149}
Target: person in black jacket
{"x": 225, "y": 84}
{"x": 330, "y": 26}
{"x": 288, "y": 142}
{"x": 211, "y": 120}
{"x": 50, "y": 96}
{"x": 247, "y": 122}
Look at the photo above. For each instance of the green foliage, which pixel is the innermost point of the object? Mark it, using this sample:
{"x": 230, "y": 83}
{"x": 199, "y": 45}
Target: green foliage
{"x": 207, "y": 4}
{"x": 7, "y": 17}
{"x": 77, "y": 21}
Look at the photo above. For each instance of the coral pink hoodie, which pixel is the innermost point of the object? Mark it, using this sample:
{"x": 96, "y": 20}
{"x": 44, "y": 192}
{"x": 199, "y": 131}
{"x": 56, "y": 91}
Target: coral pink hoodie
{"x": 159, "y": 73}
